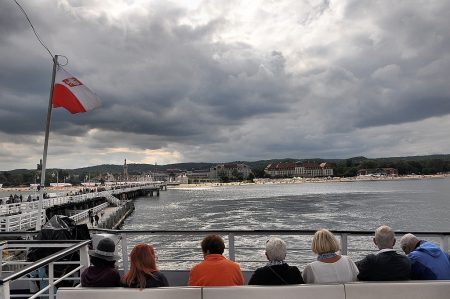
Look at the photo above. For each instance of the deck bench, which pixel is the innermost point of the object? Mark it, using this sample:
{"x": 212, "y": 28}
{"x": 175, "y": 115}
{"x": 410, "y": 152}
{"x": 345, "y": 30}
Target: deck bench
{"x": 129, "y": 293}
{"x": 357, "y": 290}
{"x": 257, "y": 292}
{"x": 432, "y": 289}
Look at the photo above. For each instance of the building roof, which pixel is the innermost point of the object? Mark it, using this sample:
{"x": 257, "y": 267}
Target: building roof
{"x": 281, "y": 166}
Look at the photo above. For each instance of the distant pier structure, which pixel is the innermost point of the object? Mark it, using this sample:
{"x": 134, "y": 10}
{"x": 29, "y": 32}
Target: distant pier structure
{"x": 125, "y": 170}
{"x": 23, "y": 216}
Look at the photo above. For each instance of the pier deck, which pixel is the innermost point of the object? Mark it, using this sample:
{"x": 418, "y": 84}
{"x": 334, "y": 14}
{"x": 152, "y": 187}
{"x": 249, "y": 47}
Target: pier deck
{"x": 24, "y": 215}
{"x": 107, "y": 212}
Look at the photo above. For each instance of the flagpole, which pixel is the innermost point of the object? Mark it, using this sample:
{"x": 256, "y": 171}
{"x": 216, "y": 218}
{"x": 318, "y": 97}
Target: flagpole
{"x": 44, "y": 158}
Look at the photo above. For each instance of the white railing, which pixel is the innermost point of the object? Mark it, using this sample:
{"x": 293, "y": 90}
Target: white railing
{"x": 179, "y": 250}
{"x": 113, "y": 200}
{"x": 85, "y": 213}
{"x": 21, "y": 222}
{"x": 12, "y": 215}
{"x": 47, "y": 265}
{"x": 13, "y": 208}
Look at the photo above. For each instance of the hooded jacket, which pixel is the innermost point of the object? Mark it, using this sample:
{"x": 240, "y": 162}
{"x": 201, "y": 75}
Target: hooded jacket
{"x": 101, "y": 277}
{"x": 429, "y": 262}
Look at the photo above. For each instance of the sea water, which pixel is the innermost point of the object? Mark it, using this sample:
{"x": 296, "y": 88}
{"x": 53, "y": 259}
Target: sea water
{"x": 405, "y": 205}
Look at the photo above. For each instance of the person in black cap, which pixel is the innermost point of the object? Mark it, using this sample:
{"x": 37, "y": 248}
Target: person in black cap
{"x": 102, "y": 273}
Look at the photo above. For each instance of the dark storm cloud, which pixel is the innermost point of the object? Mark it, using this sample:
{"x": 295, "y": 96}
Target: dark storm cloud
{"x": 193, "y": 88}
{"x": 323, "y": 78}
{"x": 9, "y": 20}
{"x": 411, "y": 41}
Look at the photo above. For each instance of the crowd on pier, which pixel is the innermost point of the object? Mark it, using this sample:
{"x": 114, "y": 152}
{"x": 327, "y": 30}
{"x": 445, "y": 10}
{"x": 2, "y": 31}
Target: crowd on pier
{"x": 20, "y": 198}
{"x": 422, "y": 260}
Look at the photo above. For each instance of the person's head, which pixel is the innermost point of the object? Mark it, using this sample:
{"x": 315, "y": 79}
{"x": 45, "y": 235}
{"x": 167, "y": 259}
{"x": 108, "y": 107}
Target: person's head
{"x": 384, "y": 237}
{"x": 105, "y": 251}
{"x": 213, "y": 244}
{"x": 408, "y": 243}
{"x": 324, "y": 241}
{"x": 142, "y": 263}
{"x": 275, "y": 249}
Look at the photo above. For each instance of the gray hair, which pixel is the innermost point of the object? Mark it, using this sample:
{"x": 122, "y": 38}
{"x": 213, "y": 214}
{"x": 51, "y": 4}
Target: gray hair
{"x": 408, "y": 242}
{"x": 276, "y": 249}
{"x": 384, "y": 237}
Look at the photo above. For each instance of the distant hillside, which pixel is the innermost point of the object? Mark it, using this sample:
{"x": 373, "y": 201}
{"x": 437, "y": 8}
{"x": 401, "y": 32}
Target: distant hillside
{"x": 135, "y": 168}
{"x": 260, "y": 164}
{"x": 430, "y": 164}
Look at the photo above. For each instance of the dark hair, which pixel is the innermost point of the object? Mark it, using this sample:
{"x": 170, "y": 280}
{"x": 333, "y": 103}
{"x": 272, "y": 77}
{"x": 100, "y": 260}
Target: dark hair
{"x": 98, "y": 262}
{"x": 213, "y": 244}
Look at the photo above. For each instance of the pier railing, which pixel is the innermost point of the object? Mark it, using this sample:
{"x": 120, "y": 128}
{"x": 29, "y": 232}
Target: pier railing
{"x": 85, "y": 213}
{"x": 176, "y": 250}
{"x": 14, "y": 208}
{"x": 21, "y": 221}
{"x": 24, "y": 215}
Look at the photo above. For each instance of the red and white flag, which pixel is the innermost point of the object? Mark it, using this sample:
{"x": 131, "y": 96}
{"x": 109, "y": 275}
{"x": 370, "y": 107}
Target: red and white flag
{"x": 71, "y": 94}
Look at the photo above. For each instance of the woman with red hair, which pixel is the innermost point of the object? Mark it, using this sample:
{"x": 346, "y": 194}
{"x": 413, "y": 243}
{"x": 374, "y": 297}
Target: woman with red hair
{"x": 143, "y": 271}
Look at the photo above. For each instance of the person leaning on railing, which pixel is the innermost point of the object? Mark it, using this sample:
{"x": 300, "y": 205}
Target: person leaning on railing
{"x": 386, "y": 264}
{"x": 143, "y": 271}
{"x": 277, "y": 271}
{"x": 102, "y": 273}
{"x": 330, "y": 267}
{"x": 215, "y": 270}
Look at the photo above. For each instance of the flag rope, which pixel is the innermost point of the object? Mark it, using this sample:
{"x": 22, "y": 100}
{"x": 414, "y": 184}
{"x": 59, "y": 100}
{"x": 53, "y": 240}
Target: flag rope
{"x": 34, "y": 30}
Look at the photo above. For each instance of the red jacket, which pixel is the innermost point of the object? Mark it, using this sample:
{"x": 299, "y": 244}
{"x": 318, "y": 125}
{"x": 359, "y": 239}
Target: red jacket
{"x": 216, "y": 270}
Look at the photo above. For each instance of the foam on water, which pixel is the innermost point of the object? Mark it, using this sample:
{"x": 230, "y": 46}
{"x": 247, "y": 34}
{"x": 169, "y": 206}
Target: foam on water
{"x": 419, "y": 205}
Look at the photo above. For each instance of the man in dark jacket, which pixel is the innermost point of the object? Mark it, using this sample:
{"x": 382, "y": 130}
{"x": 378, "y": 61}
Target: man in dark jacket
{"x": 428, "y": 261}
{"x": 386, "y": 264}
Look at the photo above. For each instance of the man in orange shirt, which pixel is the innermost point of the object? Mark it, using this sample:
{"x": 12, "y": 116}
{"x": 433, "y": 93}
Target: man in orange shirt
{"x": 215, "y": 270}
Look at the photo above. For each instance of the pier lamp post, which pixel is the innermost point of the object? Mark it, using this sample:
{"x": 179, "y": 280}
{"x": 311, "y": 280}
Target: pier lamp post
{"x": 36, "y": 178}
{"x": 57, "y": 179}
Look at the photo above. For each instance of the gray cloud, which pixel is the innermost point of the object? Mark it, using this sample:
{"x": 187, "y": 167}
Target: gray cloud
{"x": 218, "y": 82}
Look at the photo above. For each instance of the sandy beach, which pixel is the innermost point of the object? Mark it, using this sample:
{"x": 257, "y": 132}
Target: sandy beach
{"x": 299, "y": 180}
{"x": 295, "y": 180}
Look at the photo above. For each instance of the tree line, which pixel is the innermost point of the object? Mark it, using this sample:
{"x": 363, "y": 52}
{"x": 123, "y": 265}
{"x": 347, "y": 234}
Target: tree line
{"x": 426, "y": 165}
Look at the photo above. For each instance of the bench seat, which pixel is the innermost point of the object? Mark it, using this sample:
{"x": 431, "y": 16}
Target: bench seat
{"x": 357, "y": 290}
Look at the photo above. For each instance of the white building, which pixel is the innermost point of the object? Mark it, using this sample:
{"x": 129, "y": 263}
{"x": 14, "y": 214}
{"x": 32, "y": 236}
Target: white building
{"x": 230, "y": 171}
{"x": 298, "y": 169}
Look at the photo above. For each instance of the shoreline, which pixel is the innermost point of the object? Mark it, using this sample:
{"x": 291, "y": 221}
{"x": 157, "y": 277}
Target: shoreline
{"x": 299, "y": 180}
{"x": 263, "y": 181}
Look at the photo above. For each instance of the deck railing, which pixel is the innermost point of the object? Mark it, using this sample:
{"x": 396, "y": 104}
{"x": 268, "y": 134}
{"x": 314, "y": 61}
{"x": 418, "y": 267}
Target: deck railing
{"x": 48, "y": 263}
{"x": 177, "y": 250}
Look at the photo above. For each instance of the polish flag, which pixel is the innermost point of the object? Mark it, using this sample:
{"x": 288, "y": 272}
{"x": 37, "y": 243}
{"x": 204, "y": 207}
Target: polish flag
{"x": 71, "y": 94}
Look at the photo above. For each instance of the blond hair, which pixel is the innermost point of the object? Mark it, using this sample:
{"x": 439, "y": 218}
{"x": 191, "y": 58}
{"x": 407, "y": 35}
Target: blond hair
{"x": 324, "y": 241}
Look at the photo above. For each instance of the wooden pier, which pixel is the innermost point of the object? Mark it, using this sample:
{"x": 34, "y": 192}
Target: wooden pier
{"x": 23, "y": 216}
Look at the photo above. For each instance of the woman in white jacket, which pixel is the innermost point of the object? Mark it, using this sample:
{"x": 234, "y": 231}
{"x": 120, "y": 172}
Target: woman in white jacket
{"x": 330, "y": 267}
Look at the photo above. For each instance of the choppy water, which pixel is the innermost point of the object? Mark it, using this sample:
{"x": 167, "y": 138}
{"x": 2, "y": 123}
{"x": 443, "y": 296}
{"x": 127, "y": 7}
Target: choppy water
{"x": 409, "y": 205}
{"x": 406, "y": 205}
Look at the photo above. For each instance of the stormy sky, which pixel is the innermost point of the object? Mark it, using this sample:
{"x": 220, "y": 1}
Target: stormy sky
{"x": 218, "y": 81}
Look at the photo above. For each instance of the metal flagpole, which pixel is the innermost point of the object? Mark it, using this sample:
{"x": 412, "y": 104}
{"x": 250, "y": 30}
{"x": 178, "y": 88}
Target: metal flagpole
{"x": 44, "y": 158}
